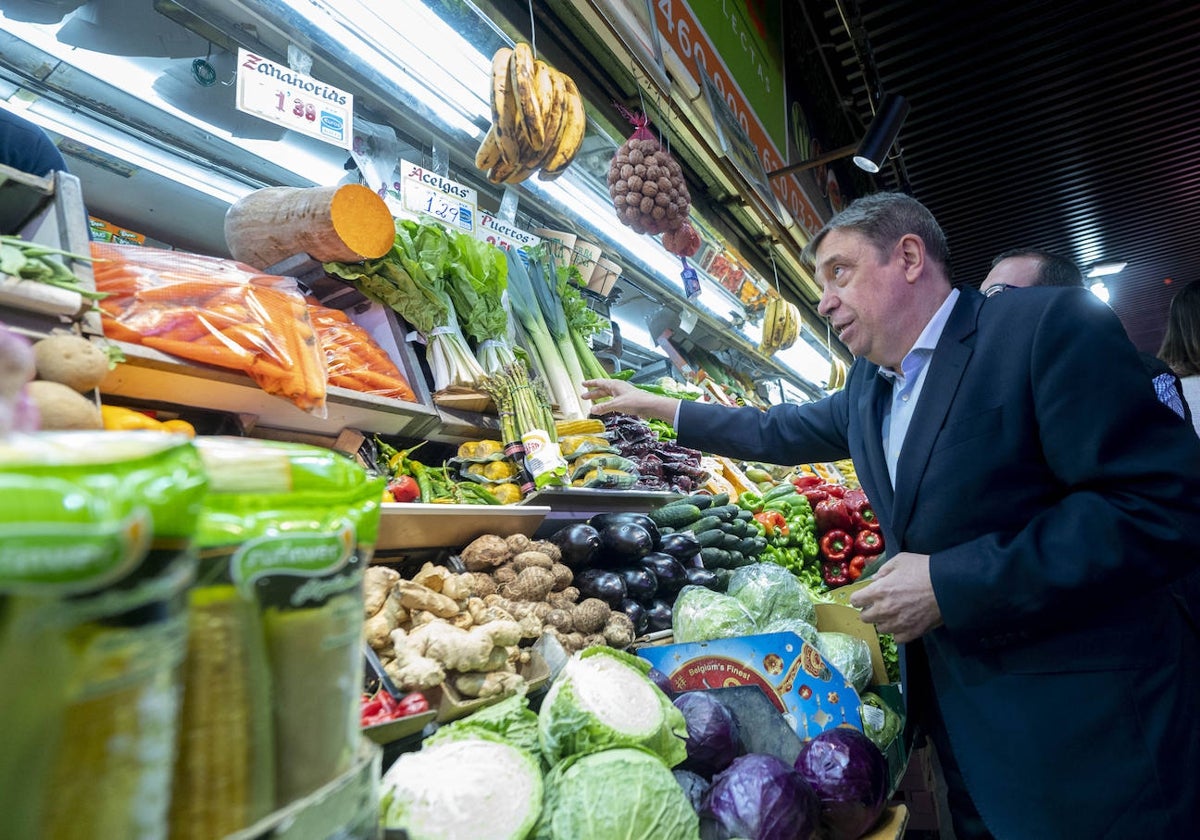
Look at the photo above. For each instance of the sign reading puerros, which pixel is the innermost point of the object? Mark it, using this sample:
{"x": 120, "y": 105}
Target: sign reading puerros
{"x": 293, "y": 100}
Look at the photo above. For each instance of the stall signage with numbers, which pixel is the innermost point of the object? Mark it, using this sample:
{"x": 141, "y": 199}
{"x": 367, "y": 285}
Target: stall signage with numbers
{"x": 501, "y": 233}
{"x": 293, "y": 100}
{"x": 423, "y": 192}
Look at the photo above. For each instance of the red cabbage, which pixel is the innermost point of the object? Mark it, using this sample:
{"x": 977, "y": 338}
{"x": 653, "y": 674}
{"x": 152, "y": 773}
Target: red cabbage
{"x": 759, "y": 797}
{"x": 850, "y": 777}
{"x": 713, "y": 741}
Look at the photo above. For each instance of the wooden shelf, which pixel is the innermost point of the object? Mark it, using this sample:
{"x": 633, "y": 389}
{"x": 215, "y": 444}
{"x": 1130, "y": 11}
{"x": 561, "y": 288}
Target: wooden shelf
{"x": 156, "y": 377}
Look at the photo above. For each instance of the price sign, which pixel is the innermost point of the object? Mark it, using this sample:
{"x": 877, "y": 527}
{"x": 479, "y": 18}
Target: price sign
{"x": 504, "y": 235}
{"x": 293, "y": 100}
{"x": 425, "y": 193}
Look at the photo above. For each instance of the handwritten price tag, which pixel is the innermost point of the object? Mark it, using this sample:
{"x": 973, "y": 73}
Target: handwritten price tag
{"x": 506, "y": 236}
{"x": 293, "y": 100}
{"x": 425, "y": 193}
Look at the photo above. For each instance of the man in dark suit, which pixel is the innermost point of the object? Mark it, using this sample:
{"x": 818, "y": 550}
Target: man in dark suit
{"x": 27, "y": 148}
{"x": 1034, "y": 526}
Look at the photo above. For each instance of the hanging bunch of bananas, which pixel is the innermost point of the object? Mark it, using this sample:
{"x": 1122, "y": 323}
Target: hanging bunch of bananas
{"x": 781, "y": 326}
{"x": 538, "y": 120}
{"x": 837, "y": 374}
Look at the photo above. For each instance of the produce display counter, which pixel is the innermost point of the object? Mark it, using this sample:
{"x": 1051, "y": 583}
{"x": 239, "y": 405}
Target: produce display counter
{"x": 148, "y": 376}
{"x": 412, "y": 525}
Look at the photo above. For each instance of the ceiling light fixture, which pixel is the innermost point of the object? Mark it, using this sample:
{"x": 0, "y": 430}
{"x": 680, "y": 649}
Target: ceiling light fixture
{"x": 869, "y": 154}
{"x": 1106, "y": 268}
{"x": 1099, "y": 290}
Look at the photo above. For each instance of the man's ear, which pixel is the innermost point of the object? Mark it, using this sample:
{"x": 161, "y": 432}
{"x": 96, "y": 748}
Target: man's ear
{"x": 911, "y": 249}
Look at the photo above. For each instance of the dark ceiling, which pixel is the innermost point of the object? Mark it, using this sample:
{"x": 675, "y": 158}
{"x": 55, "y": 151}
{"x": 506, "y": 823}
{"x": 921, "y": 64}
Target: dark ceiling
{"x": 1072, "y": 126}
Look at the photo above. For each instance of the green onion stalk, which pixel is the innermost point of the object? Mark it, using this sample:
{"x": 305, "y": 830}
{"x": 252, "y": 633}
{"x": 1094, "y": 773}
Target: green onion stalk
{"x": 411, "y": 279}
{"x": 525, "y": 292}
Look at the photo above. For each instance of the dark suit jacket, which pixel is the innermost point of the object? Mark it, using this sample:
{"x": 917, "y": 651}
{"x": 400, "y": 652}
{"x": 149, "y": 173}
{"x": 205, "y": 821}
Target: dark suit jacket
{"x": 1058, "y": 500}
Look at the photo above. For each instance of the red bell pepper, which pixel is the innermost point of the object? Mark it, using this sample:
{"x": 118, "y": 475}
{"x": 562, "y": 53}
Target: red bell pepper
{"x": 865, "y": 519}
{"x": 855, "y": 498}
{"x": 835, "y": 574}
{"x": 868, "y": 542}
{"x": 862, "y": 515}
{"x": 813, "y": 494}
{"x": 773, "y": 521}
{"x": 832, "y": 515}
{"x": 803, "y": 482}
{"x": 837, "y": 546}
{"x": 838, "y": 491}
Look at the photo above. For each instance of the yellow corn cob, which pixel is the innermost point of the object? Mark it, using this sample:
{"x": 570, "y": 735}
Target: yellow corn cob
{"x": 224, "y": 772}
{"x": 114, "y": 762}
{"x": 586, "y": 426}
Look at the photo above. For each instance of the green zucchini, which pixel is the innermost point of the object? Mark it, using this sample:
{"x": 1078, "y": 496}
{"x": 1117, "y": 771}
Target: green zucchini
{"x": 710, "y": 538}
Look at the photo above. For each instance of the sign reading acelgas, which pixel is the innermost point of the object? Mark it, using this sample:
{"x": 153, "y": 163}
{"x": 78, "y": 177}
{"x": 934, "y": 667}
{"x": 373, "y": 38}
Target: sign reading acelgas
{"x": 679, "y": 27}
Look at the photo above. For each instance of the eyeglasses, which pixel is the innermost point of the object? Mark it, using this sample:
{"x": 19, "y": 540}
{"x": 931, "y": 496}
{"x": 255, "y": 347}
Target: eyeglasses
{"x": 997, "y": 289}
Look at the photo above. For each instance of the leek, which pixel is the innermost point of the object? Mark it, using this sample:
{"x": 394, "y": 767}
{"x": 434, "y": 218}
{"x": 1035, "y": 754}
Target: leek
{"x": 523, "y": 294}
{"x": 582, "y": 321}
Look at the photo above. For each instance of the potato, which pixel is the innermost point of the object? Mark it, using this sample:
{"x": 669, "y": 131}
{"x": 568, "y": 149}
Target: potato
{"x": 61, "y": 407}
{"x": 71, "y": 360}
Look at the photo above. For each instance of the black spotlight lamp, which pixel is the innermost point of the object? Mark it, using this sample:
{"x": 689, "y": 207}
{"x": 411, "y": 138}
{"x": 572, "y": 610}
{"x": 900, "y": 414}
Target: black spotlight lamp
{"x": 870, "y": 154}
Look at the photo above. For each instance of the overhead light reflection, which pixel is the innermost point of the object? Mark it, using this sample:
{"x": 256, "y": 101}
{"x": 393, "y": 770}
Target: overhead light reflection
{"x": 1099, "y": 290}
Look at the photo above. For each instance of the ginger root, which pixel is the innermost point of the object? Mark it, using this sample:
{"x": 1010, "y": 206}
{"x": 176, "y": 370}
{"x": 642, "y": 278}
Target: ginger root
{"x": 457, "y": 649}
{"x": 414, "y": 596}
{"x": 411, "y": 669}
{"x": 492, "y": 684}
{"x": 377, "y": 585}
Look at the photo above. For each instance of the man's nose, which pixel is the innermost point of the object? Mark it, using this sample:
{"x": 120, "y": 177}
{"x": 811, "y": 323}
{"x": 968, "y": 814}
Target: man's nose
{"x": 826, "y": 304}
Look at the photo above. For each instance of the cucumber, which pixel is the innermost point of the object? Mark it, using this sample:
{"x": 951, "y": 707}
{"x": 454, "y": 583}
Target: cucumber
{"x": 704, "y": 523}
{"x": 719, "y": 499}
{"x": 700, "y": 500}
{"x": 729, "y": 542}
{"x": 737, "y": 560}
{"x": 745, "y": 515}
{"x": 675, "y": 515}
{"x": 714, "y": 558}
{"x": 752, "y": 546}
{"x": 710, "y": 538}
{"x": 725, "y": 512}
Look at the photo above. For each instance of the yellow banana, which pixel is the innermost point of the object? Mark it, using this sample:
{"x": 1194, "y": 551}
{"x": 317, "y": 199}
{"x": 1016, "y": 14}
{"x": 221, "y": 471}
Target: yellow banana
{"x": 522, "y": 81}
{"x": 488, "y": 154}
{"x": 504, "y": 106}
{"x": 570, "y": 136}
{"x": 504, "y": 170}
{"x": 766, "y": 345}
{"x": 552, "y": 93}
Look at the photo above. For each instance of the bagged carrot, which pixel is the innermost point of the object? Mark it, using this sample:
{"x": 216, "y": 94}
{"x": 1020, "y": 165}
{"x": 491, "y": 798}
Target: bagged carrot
{"x": 216, "y": 312}
{"x": 353, "y": 359}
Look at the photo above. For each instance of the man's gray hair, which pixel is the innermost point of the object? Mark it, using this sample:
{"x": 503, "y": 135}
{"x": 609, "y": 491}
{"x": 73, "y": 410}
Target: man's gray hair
{"x": 883, "y": 218}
